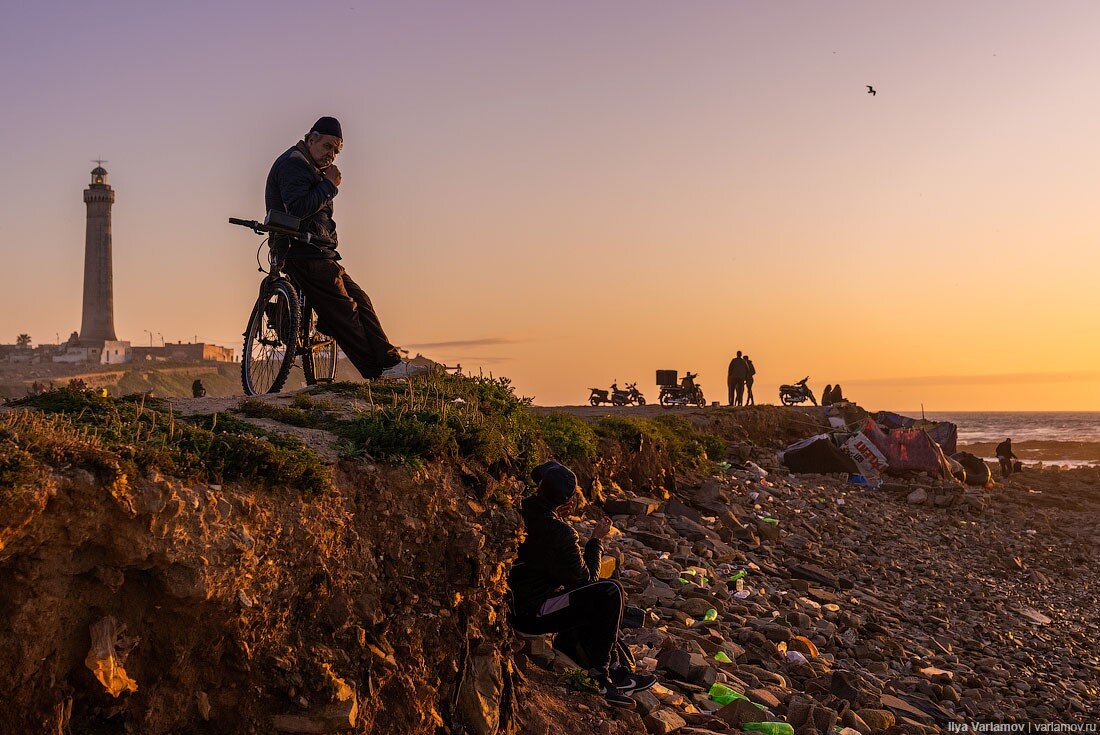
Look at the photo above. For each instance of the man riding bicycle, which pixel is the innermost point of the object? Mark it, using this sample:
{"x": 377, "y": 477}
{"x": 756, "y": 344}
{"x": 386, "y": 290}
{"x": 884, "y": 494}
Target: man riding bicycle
{"x": 303, "y": 182}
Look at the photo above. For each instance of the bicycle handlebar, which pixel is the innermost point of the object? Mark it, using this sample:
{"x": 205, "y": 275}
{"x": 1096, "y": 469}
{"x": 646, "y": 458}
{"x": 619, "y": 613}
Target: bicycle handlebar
{"x": 260, "y": 228}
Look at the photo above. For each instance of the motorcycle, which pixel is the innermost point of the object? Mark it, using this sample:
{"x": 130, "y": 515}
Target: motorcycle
{"x": 617, "y": 396}
{"x": 684, "y": 394}
{"x": 626, "y": 397}
{"x": 792, "y": 395}
{"x": 598, "y": 397}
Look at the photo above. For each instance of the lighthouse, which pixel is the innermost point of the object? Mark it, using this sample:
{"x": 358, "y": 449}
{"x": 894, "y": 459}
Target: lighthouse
{"x": 96, "y": 341}
{"x": 98, "y": 322}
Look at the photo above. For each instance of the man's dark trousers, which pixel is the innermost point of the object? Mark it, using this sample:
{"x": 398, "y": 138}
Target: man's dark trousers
{"x": 737, "y": 392}
{"x": 345, "y": 312}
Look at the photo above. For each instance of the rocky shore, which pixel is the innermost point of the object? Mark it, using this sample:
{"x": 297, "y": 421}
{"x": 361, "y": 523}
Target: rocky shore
{"x": 335, "y": 562}
{"x": 834, "y": 606}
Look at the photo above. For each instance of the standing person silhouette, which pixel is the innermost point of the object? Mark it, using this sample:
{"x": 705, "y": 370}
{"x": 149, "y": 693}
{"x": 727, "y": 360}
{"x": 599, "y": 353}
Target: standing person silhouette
{"x": 735, "y": 379}
{"x": 750, "y": 371}
{"x": 1005, "y": 457}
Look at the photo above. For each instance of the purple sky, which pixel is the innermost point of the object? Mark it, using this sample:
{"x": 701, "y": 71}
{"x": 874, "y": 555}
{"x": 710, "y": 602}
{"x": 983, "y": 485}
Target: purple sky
{"x": 630, "y": 185}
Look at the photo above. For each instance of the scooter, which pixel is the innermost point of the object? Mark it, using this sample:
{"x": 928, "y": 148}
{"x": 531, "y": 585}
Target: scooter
{"x": 626, "y": 397}
{"x": 684, "y": 394}
{"x": 598, "y": 397}
{"x": 792, "y": 395}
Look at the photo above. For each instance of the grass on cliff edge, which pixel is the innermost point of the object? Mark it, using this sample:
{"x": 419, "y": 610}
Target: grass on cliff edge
{"x": 145, "y": 435}
{"x": 482, "y": 420}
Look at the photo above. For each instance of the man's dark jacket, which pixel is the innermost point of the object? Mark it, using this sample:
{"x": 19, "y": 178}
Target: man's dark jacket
{"x": 738, "y": 370}
{"x": 296, "y": 186}
{"x": 1004, "y": 449}
{"x": 549, "y": 561}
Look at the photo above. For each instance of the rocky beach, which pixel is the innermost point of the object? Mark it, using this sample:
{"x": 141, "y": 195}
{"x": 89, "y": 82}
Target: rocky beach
{"x": 907, "y": 608}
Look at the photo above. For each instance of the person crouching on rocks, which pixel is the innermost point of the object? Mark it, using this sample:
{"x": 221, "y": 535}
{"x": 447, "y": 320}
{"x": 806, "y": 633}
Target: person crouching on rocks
{"x": 555, "y": 587}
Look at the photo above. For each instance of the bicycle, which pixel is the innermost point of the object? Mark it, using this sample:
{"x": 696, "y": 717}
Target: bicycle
{"x": 282, "y": 325}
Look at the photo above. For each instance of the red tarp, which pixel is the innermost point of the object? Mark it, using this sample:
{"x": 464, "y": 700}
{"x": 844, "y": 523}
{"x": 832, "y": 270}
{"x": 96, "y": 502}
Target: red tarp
{"x": 908, "y": 450}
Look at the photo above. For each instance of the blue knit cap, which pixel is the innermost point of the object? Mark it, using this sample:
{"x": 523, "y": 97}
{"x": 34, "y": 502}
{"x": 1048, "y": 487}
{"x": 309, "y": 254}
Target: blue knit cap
{"x": 557, "y": 483}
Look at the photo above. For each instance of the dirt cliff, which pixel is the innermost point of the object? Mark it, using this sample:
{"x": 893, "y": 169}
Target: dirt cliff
{"x": 171, "y": 573}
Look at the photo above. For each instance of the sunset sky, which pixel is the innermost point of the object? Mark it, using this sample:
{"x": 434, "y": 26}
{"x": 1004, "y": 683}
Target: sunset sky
{"x": 569, "y": 193}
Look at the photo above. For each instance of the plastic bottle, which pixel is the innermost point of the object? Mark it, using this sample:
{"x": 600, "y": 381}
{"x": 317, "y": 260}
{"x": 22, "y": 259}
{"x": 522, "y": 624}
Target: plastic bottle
{"x": 768, "y": 728}
{"x": 710, "y": 615}
{"x": 723, "y": 695}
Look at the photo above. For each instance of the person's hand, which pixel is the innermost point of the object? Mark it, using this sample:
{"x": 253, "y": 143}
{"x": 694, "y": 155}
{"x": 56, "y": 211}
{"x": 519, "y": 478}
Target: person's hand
{"x": 603, "y": 527}
{"x": 332, "y": 173}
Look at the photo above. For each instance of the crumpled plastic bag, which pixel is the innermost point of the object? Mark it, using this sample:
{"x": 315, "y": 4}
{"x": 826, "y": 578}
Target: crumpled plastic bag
{"x": 108, "y": 653}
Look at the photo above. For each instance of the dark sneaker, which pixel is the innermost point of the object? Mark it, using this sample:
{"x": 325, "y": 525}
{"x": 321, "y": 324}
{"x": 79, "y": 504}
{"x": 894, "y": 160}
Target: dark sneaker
{"x": 628, "y": 683}
{"x": 621, "y": 701}
{"x": 611, "y": 693}
{"x": 391, "y": 359}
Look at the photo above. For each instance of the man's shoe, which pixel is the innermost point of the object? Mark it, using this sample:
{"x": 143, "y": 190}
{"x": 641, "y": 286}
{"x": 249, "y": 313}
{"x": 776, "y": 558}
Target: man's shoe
{"x": 611, "y": 693}
{"x": 628, "y": 683}
{"x": 392, "y": 359}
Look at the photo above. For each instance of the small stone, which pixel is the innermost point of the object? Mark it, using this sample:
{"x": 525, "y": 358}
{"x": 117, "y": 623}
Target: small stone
{"x": 631, "y": 507}
{"x": 740, "y": 711}
{"x": 663, "y": 722}
{"x": 764, "y": 697}
{"x": 877, "y": 719}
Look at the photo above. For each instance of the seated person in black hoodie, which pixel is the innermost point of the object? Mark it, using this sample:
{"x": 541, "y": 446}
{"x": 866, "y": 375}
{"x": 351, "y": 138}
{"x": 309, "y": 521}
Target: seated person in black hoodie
{"x": 555, "y": 588}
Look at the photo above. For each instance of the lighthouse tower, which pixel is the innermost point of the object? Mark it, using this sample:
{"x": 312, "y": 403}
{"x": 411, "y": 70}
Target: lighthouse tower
{"x": 96, "y": 341}
{"x": 98, "y": 322}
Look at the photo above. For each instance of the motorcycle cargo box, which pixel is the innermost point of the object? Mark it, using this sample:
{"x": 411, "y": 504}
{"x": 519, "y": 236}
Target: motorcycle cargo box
{"x": 667, "y": 377}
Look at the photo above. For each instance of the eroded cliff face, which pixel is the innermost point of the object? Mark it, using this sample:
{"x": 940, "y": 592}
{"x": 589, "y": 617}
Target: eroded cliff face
{"x": 380, "y": 601}
{"x": 132, "y": 601}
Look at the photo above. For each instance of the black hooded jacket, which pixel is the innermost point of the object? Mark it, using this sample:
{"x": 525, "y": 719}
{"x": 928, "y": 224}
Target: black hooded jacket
{"x": 550, "y": 560}
{"x": 296, "y": 186}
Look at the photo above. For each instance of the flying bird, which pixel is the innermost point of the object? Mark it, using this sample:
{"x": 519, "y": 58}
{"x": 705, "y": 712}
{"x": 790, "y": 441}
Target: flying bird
{"x": 871, "y": 90}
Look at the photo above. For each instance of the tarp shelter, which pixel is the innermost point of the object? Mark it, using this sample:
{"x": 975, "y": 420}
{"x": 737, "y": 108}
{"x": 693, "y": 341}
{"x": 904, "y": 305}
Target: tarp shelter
{"x": 890, "y": 420}
{"x": 818, "y": 455}
{"x": 944, "y": 433}
{"x": 908, "y": 450}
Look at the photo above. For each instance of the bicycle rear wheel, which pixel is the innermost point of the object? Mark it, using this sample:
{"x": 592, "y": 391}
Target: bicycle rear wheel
{"x": 319, "y": 350}
{"x": 270, "y": 339}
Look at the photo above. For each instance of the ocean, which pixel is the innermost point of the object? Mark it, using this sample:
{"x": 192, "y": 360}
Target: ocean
{"x": 1052, "y": 437}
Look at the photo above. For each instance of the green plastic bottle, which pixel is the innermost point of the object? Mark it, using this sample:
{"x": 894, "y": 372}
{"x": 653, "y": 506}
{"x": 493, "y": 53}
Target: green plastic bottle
{"x": 723, "y": 695}
{"x": 768, "y": 728}
{"x": 710, "y": 615}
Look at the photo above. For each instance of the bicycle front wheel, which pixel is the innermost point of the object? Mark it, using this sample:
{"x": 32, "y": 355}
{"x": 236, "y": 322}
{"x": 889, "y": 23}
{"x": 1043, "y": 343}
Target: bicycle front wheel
{"x": 270, "y": 339}
{"x": 319, "y": 351}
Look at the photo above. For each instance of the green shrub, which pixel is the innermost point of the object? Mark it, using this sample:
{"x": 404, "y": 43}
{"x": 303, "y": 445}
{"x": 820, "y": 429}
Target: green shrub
{"x": 684, "y": 442}
{"x": 216, "y": 448}
{"x": 568, "y": 438}
{"x": 435, "y": 416}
